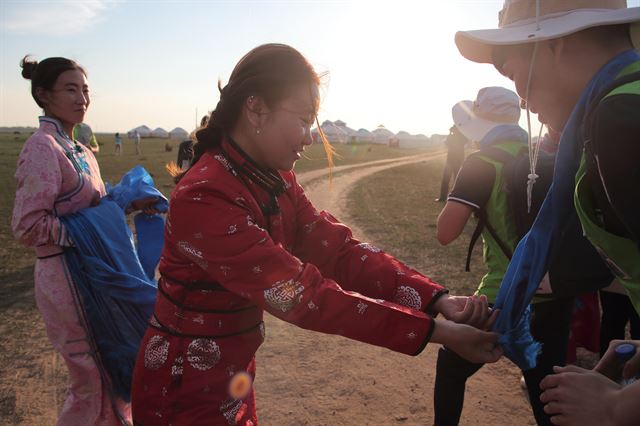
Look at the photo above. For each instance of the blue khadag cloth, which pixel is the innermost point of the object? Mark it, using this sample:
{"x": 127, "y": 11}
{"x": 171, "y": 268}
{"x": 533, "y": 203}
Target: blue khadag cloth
{"x": 116, "y": 293}
{"x": 150, "y": 237}
{"x": 137, "y": 184}
{"x": 556, "y": 218}
{"x": 114, "y": 278}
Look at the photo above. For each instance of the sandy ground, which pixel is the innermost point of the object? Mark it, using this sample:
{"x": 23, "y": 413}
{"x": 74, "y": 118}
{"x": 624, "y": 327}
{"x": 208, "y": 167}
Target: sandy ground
{"x": 315, "y": 379}
{"x": 303, "y": 377}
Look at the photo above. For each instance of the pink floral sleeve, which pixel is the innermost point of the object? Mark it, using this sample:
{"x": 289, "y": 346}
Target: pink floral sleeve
{"x": 38, "y": 185}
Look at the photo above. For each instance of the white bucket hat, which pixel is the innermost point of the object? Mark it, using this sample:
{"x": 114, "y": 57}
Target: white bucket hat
{"x": 494, "y": 106}
{"x": 527, "y": 21}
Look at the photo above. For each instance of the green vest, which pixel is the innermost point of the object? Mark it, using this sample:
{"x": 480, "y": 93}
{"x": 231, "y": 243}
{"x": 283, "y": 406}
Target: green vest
{"x": 621, "y": 254}
{"x": 500, "y": 217}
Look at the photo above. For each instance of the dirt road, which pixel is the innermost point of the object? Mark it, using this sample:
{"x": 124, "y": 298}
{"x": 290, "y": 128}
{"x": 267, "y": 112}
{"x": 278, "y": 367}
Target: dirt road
{"x": 315, "y": 379}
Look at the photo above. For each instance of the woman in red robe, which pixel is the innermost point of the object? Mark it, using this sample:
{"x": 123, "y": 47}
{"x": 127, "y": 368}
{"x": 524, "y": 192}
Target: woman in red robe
{"x": 241, "y": 238}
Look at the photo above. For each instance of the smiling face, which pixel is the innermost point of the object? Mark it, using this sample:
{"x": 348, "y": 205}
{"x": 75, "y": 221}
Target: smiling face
{"x": 548, "y": 96}
{"x": 285, "y": 129}
{"x": 68, "y": 99}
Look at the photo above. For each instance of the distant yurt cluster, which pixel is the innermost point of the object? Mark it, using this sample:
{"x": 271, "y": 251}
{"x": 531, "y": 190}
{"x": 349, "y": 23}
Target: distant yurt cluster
{"x": 335, "y": 131}
{"x": 338, "y": 132}
{"x": 145, "y": 132}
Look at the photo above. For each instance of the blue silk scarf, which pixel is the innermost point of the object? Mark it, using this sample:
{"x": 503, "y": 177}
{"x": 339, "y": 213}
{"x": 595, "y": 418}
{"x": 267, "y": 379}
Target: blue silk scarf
{"x": 116, "y": 293}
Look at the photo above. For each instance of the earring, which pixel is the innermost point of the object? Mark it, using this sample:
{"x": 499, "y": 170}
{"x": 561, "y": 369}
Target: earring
{"x": 257, "y": 131}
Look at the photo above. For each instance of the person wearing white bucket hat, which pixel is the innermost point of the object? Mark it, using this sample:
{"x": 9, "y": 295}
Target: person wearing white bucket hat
{"x": 493, "y": 106}
{"x": 574, "y": 63}
{"x": 492, "y": 120}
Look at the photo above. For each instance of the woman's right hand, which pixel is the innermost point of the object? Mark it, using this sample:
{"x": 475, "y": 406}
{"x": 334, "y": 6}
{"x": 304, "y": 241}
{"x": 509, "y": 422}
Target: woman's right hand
{"x": 95, "y": 200}
{"x": 474, "y": 345}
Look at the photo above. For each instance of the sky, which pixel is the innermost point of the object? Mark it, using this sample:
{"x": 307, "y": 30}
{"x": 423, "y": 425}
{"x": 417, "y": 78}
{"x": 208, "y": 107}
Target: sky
{"x": 157, "y": 62}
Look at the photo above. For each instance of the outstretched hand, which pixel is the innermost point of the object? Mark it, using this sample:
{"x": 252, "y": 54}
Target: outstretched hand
{"x": 471, "y": 310}
{"x": 474, "y": 345}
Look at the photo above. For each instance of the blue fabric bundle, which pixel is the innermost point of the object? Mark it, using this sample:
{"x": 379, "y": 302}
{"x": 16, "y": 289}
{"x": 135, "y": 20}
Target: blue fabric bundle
{"x": 150, "y": 236}
{"x": 117, "y": 296}
{"x": 556, "y": 218}
{"x": 117, "y": 292}
{"x": 137, "y": 184}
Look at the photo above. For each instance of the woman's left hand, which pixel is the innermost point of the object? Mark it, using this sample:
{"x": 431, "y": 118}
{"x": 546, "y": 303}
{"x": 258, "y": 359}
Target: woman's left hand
{"x": 147, "y": 205}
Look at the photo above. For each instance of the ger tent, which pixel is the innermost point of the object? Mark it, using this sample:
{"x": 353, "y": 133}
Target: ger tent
{"x": 336, "y": 131}
{"x": 363, "y": 135}
{"x": 382, "y": 135}
{"x": 179, "y": 133}
{"x": 159, "y": 133}
{"x": 143, "y": 131}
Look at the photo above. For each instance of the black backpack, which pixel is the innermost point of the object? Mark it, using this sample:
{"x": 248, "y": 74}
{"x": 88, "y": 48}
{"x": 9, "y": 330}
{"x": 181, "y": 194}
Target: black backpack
{"x": 515, "y": 174}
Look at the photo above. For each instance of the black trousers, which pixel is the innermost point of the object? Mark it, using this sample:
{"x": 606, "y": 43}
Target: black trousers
{"x": 617, "y": 310}
{"x": 550, "y": 323}
{"x": 451, "y": 169}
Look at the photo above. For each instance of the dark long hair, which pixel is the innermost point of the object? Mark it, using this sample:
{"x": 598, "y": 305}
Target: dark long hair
{"x": 45, "y": 73}
{"x": 270, "y": 71}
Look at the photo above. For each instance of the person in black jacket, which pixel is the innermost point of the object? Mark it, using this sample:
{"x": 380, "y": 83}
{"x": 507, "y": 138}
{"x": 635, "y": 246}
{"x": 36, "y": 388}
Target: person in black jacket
{"x": 455, "y": 143}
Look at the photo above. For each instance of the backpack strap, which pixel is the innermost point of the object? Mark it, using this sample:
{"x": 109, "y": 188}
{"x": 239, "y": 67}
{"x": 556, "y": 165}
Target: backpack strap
{"x": 505, "y": 158}
{"x": 588, "y": 122}
{"x": 484, "y": 223}
{"x": 474, "y": 238}
{"x": 496, "y": 154}
{"x": 588, "y": 129}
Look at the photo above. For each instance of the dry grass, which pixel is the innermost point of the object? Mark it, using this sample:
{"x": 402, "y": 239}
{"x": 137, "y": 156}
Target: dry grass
{"x": 396, "y": 209}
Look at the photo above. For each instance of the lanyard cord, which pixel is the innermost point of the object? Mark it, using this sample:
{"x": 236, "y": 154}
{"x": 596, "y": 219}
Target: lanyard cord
{"x": 534, "y": 151}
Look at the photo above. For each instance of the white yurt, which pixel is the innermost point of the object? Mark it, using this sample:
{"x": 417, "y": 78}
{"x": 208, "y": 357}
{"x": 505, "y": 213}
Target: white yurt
{"x": 334, "y": 133}
{"x": 414, "y": 141}
{"x": 143, "y": 131}
{"x": 179, "y": 133}
{"x": 364, "y": 136}
{"x": 381, "y": 135}
{"x": 159, "y": 133}
{"x": 340, "y": 131}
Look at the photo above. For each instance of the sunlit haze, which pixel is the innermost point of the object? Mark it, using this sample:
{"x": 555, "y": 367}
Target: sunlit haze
{"x": 157, "y": 63}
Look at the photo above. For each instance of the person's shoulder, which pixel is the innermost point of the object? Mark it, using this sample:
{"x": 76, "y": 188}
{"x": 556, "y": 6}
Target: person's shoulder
{"x": 41, "y": 138}
{"x": 617, "y": 112}
{"x": 476, "y": 158}
{"x": 40, "y": 144}
{"x": 621, "y": 103}
{"x": 476, "y": 168}
{"x": 212, "y": 173}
